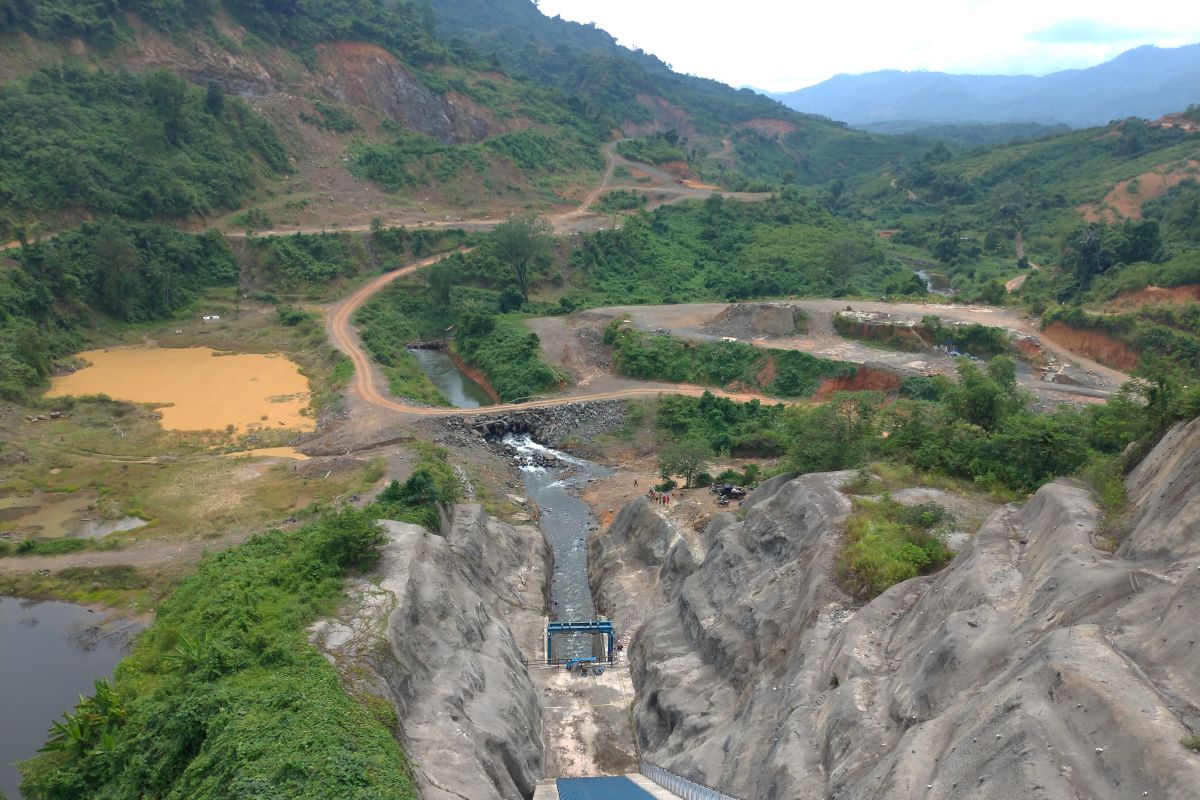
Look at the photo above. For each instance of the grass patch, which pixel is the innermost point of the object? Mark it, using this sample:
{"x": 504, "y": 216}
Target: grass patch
{"x": 1191, "y": 742}
{"x": 1106, "y": 477}
{"x": 887, "y": 543}
{"x": 406, "y": 379}
{"x": 120, "y": 586}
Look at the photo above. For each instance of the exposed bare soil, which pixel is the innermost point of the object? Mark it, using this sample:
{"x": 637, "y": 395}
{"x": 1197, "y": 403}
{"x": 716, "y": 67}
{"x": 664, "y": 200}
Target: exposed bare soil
{"x": 1126, "y": 199}
{"x": 1094, "y": 345}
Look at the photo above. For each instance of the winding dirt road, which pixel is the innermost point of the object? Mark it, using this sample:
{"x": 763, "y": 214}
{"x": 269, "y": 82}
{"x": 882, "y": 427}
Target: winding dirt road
{"x": 371, "y": 388}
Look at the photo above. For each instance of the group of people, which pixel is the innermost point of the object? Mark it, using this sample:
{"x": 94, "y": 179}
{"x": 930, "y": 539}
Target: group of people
{"x": 662, "y": 498}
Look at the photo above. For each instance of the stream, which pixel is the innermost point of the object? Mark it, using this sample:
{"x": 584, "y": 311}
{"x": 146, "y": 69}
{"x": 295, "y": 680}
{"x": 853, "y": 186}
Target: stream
{"x": 565, "y": 521}
{"x": 50, "y": 654}
{"x": 935, "y": 282}
{"x": 452, "y": 382}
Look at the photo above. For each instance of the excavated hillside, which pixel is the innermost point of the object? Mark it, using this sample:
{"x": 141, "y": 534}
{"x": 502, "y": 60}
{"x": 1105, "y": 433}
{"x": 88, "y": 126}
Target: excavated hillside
{"x": 437, "y": 633}
{"x": 1034, "y": 665}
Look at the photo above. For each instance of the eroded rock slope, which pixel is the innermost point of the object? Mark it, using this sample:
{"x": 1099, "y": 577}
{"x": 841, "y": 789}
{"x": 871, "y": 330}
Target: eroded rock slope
{"x": 1035, "y": 665}
{"x": 439, "y": 632}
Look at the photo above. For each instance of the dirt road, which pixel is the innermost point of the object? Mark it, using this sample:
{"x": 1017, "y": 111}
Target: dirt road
{"x": 575, "y": 220}
{"x": 689, "y": 319}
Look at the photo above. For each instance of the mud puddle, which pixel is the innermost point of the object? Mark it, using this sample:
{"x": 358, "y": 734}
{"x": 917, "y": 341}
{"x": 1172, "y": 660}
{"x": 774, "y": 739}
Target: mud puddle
{"x": 198, "y": 388}
{"x": 48, "y": 515}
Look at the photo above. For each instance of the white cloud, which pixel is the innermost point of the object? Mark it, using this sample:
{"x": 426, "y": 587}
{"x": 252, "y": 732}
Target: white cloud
{"x": 779, "y": 45}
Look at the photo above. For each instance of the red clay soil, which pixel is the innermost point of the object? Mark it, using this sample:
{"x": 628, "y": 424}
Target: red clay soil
{"x": 864, "y": 379}
{"x": 474, "y": 374}
{"x": 766, "y": 376}
{"x": 1155, "y": 295}
{"x": 1095, "y": 345}
{"x": 1030, "y": 351}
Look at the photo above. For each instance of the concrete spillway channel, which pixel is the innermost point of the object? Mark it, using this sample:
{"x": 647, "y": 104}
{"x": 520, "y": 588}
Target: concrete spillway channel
{"x": 587, "y": 722}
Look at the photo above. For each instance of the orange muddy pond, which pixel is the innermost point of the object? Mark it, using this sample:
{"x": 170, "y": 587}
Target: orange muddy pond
{"x": 197, "y": 387}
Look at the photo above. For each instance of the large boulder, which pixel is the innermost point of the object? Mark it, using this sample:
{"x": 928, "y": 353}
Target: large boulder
{"x": 1035, "y": 664}
{"x": 441, "y": 631}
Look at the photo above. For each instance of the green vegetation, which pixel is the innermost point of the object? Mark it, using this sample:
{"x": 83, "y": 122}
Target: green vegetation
{"x": 404, "y": 28}
{"x": 608, "y": 85}
{"x": 433, "y": 485}
{"x": 137, "y": 146}
{"x": 657, "y": 149}
{"x": 224, "y": 697}
{"x": 727, "y": 250}
{"x": 966, "y": 209}
{"x": 131, "y": 272}
{"x": 413, "y": 160}
{"x": 620, "y": 200}
{"x": 331, "y": 117}
{"x": 385, "y": 329}
{"x": 47, "y": 547}
{"x": 1191, "y": 742}
{"x": 688, "y": 458}
{"x": 508, "y": 353}
{"x": 887, "y": 542}
{"x": 783, "y": 373}
{"x": 972, "y": 338}
{"x": 318, "y": 265}
{"x": 1170, "y": 333}
{"x": 729, "y": 428}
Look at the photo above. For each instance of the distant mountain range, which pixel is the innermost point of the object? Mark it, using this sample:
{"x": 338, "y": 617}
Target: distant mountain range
{"x": 1143, "y": 82}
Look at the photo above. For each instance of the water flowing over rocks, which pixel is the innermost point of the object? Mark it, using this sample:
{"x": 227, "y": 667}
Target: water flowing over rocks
{"x": 440, "y": 631}
{"x": 1034, "y": 665}
{"x": 551, "y": 426}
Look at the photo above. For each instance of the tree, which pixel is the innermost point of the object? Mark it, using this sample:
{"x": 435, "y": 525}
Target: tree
{"x": 442, "y": 277}
{"x": 214, "y": 99}
{"x": 687, "y": 458}
{"x": 985, "y": 398}
{"x": 168, "y": 92}
{"x": 523, "y": 242}
{"x": 116, "y": 263}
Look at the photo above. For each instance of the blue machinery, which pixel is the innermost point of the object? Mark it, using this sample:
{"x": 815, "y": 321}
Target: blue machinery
{"x": 597, "y": 629}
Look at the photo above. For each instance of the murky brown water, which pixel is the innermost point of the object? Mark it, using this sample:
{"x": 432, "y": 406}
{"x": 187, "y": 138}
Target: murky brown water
{"x": 207, "y": 390}
{"x": 51, "y": 515}
{"x": 270, "y": 452}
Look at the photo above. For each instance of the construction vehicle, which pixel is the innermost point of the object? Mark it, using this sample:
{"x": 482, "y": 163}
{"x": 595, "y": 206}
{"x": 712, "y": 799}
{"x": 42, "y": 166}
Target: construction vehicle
{"x": 585, "y": 665}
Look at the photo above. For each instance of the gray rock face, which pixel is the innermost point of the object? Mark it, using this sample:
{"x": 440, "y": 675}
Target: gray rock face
{"x": 440, "y": 631}
{"x": 1033, "y": 665}
{"x": 636, "y": 561}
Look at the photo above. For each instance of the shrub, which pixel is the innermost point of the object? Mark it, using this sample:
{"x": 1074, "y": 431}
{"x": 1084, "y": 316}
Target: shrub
{"x": 887, "y": 543}
{"x": 224, "y": 696}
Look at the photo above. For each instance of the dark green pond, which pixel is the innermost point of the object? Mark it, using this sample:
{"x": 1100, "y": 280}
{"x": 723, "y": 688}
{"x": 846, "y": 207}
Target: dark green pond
{"x": 452, "y": 382}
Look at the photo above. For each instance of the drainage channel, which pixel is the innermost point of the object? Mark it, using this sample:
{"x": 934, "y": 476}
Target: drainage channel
{"x": 552, "y": 480}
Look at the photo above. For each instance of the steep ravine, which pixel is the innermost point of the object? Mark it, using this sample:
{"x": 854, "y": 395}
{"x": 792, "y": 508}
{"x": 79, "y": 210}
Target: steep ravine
{"x": 1035, "y": 665}
{"x": 439, "y": 632}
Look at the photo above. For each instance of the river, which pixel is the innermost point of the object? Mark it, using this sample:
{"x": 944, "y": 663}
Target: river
{"x": 50, "y": 653}
{"x": 452, "y": 382}
{"x": 565, "y": 521}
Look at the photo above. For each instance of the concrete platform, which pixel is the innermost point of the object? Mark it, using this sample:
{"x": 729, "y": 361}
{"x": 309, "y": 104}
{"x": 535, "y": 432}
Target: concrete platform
{"x": 587, "y": 730}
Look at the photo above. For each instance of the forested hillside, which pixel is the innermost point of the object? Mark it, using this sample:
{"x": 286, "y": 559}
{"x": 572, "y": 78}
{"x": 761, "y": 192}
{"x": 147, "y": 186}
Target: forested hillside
{"x": 737, "y": 137}
{"x": 1146, "y": 82}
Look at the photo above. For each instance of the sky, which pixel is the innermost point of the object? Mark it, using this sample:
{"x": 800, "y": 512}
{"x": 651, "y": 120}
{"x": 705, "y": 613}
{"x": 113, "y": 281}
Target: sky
{"x": 778, "y": 45}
